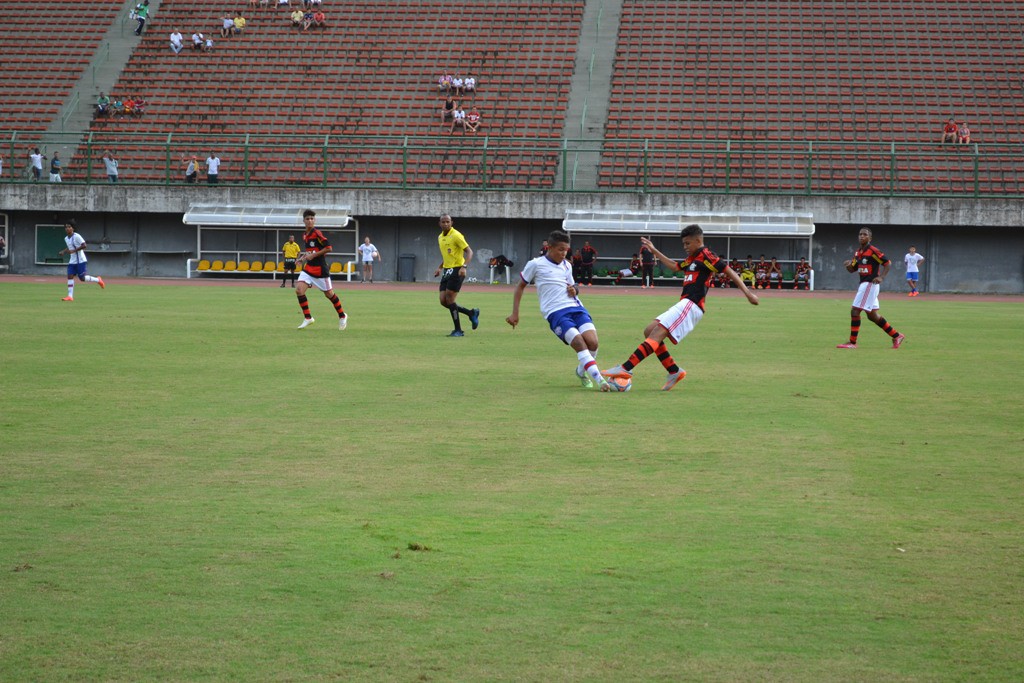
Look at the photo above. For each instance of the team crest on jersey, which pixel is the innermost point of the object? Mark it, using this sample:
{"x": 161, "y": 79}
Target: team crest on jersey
{"x": 693, "y": 266}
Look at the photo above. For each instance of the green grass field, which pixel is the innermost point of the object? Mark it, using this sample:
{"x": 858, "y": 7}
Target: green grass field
{"x": 192, "y": 489}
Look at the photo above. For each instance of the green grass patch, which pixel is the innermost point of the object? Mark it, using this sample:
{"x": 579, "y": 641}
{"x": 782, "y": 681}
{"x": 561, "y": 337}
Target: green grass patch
{"x": 192, "y": 489}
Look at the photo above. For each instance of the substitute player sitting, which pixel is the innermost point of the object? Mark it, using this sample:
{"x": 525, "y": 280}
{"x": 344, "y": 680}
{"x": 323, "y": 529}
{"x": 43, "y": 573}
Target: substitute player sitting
{"x": 558, "y": 295}
{"x": 315, "y": 272}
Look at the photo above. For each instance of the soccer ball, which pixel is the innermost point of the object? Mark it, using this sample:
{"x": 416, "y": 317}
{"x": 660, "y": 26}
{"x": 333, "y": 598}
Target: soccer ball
{"x": 620, "y": 383}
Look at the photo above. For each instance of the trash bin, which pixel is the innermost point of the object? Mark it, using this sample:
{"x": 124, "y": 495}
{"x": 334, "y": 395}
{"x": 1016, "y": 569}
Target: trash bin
{"x": 407, "y": 268}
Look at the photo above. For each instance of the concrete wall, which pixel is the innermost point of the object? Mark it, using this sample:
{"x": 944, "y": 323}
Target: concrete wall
{"x": 971, "y": 245}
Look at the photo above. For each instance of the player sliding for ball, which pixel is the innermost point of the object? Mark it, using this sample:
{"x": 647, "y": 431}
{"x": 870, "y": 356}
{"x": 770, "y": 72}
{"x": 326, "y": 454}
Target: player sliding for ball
{"x": 558, "y": 296}
{"x": 677, "y": 322}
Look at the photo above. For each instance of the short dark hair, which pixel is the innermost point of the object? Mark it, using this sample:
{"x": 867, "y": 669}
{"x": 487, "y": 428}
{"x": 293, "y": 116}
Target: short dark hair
{"x": 308, "y": 212}
{"x": 558, "y": 236}
{"x": 692, "y": 230}
{"x": 72, "y": 223}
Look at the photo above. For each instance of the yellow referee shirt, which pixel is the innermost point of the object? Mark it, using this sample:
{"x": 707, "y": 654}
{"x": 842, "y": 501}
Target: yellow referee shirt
{"x": 291, "y": 250}
{"x": 452, "y": 247}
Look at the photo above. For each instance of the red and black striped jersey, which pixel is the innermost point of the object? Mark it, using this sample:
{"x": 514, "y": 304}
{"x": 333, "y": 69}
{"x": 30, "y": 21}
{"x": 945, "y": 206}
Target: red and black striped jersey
{"x": 698, "y": 270}
{"x": 315, "y": 241}
{"x": 869, "y": 260}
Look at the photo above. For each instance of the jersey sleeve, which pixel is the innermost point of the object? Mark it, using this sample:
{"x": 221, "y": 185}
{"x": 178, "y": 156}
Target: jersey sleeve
{"x": 529, "y": 271}
{"x": 712, "y": 261}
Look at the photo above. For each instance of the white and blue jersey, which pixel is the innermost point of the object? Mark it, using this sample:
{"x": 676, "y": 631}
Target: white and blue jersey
{"x": 77, "y": 259}
{"x": 562, "y": 310}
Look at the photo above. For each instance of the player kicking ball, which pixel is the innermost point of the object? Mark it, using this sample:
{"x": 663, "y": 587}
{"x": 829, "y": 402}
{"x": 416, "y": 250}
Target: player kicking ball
{"x": 701, "y": 265}
{"x": 558, "y": 296}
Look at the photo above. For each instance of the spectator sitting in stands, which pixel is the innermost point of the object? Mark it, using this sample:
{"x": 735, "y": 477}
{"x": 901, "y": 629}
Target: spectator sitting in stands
{"x": 176, "y": 39}
{"x": 297, "y": 18}
{"x": 307, "y": 19}
{"x": 117, "y": 106}
{"x": 129, "y": 106}
{"x": 469, "y": 84}
{"x": 447, "y": 109}
{"x": 197, "y": 41}
{"x": 208, "y": 45}
{"x": 949, "y": 131}
{"x": 255, "y": 3}
{"x": 138, "y": 106}
{"x": 239, "y": 23}
{"x": 444, "y": 83}
{"x": 282, "y": 3}
{"x": 802, "y": 278}
{"x": 227, "y": 26}
{"x": 102, "y": 105}
{"x": 458, "y": 120}
{"x": 319, "y": 18}
{"x": 963, "y": 134}
{"x": 775, "y": 274}
{"x": 473, "y": 120}
{"x": 457, "y": 84}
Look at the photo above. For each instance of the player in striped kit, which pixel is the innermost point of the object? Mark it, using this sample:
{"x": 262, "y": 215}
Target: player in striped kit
{"x": 872, "y": 266}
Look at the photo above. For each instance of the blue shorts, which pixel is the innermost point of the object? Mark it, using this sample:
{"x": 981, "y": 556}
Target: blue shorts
{"x": 77, "y": 269}
{"x": 912, "y": 277}
{"x": 564, "y": 319}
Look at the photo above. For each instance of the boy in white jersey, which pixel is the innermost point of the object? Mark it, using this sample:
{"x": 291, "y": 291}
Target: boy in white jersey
{"x": 558, "y": 295}
{"x": 913, "y": 259}
{"x": 76, "y": 260}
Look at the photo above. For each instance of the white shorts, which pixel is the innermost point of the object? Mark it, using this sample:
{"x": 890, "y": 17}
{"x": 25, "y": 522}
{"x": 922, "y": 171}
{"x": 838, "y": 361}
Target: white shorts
{"x": 680, "y": 319}
{"x": 866, "y": 298}
{"x": 321, "y": 283}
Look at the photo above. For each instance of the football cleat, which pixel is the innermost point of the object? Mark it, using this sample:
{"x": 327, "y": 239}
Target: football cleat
{"x": 307, "y": 322}
{"x": 101, "y": 283}
{"x": 474, "y": 318}
{"x": 847, "y": 345}
{"x": 897, "y": 340}
{"x": 604, "y": 385}
{"x": 673, "y": 379}
{"x": 457, "y": 333}
{"x": 617, "y": 371}
{"x": 342, "y": 323}
{"x": 68, "y": 298}
{"x": 585, "y": 380}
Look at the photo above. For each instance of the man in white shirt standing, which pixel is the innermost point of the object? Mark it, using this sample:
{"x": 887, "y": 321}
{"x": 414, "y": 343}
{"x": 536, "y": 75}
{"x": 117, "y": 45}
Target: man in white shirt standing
{"x": 212, "y": 168}
{"x": 558, "y": 295}
{"x": 76, "y": 260}
{"x": 913, "y": 259}
{"x": 368, "y": 252}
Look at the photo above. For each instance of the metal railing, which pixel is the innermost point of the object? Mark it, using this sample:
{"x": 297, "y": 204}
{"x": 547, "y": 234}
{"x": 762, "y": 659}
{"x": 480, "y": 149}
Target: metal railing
{"x": 483, "y": 162}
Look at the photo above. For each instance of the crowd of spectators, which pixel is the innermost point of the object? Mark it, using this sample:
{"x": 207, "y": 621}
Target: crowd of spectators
{"x": 452, "y": 111}
{"x": 131, "y": 106}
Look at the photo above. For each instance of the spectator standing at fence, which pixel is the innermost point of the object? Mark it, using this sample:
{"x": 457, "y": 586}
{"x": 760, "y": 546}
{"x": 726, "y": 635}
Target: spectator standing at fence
{"x": 141, "y": 15}
{"x": 949, "y": 131}
{"x": 913, "y": 260}
{"x": 191, "y": 168}
{"x": 77, "y": 259}
{"x": 646, "y": 267}
{"x": 212, "y": 168}
{"x": 455, "y": 253}
{"x": 111, "y": 166}
{"x": 290, "y": 250}
{"x": 36, "y": 159}
{"x": 55, "y": 168}
{"x": 700, "y": 265}
{"x": 368, "y": 253}
{"x": 315, "y": 272}
{"x": 589, "y": 256}
{"x": 871, "y": 265}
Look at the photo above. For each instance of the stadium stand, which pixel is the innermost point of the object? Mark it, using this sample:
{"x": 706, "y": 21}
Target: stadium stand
{"x": 371, "y": 72}
{"x": 794, "y": 71}
{"x": 43, "y": 58}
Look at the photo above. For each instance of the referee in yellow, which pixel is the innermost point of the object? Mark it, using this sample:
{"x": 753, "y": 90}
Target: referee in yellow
{"x": 291, "y": 250}
{"x": 455, "y": 252}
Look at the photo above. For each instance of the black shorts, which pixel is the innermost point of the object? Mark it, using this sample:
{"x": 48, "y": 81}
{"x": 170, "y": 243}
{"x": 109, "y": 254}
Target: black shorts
{"x": 289, "y": 264}
{"x": 451, "y": 281}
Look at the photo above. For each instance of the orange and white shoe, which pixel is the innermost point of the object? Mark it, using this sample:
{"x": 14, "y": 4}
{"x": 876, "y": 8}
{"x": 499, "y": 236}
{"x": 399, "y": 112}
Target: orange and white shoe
{"x": 897, "y": 340}
{"x": 847, "y": 345}
{"x": 68, "y": 298}
{"x": 673, "y": 379}
{"x": 101, "y": 283}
